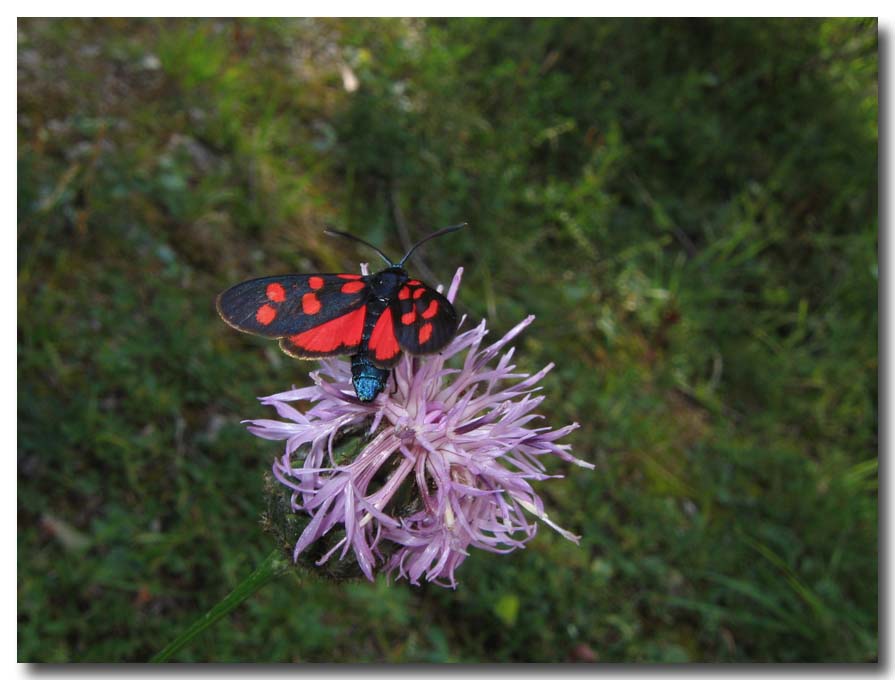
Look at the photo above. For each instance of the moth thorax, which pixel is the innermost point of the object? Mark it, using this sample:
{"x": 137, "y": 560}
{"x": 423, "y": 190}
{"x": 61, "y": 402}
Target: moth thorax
{"x": 387, "y": 282}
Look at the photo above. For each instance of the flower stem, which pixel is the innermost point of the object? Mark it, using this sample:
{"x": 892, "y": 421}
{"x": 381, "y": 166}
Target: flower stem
{"x": 272, "y": 566}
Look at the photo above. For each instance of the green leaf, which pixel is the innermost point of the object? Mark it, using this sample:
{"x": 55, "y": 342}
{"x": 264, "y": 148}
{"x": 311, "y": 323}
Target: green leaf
{"x": 507, "y": 609}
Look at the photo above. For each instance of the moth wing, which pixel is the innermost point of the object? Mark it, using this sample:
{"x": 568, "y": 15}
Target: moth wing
{"x": 313, "y": 314}
{"x": 424, "y": 319}
{"x": 383, "y": 348}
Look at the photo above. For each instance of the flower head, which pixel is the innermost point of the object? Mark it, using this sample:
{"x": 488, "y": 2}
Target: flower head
{"x": 444, "y": 463}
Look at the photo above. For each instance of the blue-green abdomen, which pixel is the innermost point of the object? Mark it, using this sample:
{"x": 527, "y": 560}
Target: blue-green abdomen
{"x": 368, "y": 380}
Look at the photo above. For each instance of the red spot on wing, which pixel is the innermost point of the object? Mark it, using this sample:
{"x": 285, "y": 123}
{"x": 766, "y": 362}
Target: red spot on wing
{"x": 383, "y": 343}
{"x": 353, "y": 287}
{"x": 349, "y": 277}
{"x": 425, "y": 333}
{"x": 418, "y": 293}
{"x": 409, "y": 317}
{"x": 315, "y": 282}
{"x": 414, "y": 282}
{"x": 431, "y": 310}
{"x": 310, "y": 304}
{"x": 265, "y": 315}
{"x": 276, "y": 292}
{"x": 343, "y": 331}
{"x": 404, "y": 293}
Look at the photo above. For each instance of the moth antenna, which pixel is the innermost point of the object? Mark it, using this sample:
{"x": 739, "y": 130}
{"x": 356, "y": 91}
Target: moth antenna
{"x": 333, "y": 232}
{"x": 440, "y": 232}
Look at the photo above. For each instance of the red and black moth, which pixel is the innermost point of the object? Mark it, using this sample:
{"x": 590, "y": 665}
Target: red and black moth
{"x": 373, "y": 318}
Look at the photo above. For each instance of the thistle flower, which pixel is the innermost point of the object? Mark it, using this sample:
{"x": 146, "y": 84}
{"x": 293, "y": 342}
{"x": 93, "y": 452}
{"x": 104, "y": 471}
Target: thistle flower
{"x": 445, "y": 464}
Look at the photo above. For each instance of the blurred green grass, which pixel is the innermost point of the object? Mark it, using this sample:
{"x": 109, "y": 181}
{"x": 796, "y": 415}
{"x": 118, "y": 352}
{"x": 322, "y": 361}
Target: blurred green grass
{"x": 688, "y": 206}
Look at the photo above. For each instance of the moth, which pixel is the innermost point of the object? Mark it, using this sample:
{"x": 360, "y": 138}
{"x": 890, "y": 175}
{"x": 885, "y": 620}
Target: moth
{"x": 373, "y": 318}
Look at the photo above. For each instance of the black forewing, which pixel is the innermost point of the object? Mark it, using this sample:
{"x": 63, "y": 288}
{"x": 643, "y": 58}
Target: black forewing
{"x": 424, "y": 319}
{"x": 277, "y": 306}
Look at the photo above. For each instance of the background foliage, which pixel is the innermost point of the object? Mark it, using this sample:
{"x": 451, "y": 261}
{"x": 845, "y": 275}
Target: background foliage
{"x": 688, "y": 206}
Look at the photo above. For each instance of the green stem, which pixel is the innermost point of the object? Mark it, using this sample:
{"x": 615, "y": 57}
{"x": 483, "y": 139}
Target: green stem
{"x": 272, "y": 566}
